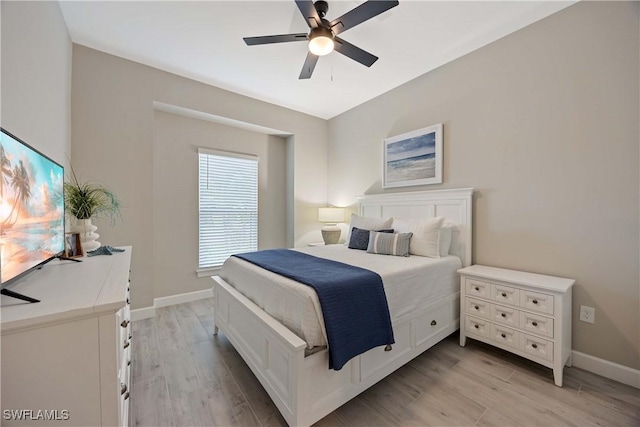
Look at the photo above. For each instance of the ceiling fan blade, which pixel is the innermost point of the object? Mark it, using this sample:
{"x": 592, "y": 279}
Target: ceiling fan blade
{"x": 309, "y": 12}
{"x": 309, "y": 65}
{"x": 360, "y": 14}
{"x": 354, "y": 52}
{"x": 282, "y": 38}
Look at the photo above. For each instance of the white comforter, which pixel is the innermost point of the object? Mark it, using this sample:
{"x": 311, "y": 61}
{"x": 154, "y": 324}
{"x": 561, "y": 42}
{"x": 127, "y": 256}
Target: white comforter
{"x": 409, "y": 283}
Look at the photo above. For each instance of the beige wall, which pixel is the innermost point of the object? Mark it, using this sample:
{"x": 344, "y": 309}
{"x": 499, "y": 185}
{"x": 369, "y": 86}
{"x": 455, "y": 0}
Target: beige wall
{"x": 544, "y": 124}
{"x": 113, "y": 143}
{"x": 36, "y": 76}
{"x": 175, "y": 194}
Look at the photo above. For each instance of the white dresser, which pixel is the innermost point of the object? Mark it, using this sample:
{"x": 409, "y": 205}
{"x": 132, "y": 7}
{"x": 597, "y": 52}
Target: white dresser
{"x": 524, "y": 313}
{"x": 66, "y": 360}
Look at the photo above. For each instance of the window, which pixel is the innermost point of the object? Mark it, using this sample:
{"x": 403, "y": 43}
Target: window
{"x": 228, "y": 206}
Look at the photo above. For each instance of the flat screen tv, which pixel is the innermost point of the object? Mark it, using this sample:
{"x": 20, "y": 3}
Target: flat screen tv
{"x": 31, "y": 210}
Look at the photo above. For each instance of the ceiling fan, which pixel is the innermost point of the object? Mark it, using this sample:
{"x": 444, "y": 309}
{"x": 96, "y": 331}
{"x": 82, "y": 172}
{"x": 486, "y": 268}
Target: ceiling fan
{"x": 323, "y": 36}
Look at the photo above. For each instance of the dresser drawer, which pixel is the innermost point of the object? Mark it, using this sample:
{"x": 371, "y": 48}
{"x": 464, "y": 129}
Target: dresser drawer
{"x": 478, "y": 288}
{"x": 537, "y": 347}
{"x": 123, "y": 406}
{"x": 476, "y": 326}
{"x": 478, "y": 308}
{"x": 505, "y": 294}
{"x": 535, "y": 324}
{"x": 536, "y": 301}
{"x": 505, "y": 315}
{"x": 505, "y": 336}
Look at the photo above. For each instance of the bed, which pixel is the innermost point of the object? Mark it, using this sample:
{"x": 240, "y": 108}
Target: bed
{"x": 293, "y": 366}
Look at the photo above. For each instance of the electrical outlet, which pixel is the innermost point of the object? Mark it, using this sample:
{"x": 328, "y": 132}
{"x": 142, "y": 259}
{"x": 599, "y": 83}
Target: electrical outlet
{"x": 587, "y": 314}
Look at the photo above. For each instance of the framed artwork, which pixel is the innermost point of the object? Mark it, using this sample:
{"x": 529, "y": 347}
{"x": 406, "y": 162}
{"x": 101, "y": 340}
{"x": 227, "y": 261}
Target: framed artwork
{"x": 413, "y": 158}
{"x": 73, "y": 246}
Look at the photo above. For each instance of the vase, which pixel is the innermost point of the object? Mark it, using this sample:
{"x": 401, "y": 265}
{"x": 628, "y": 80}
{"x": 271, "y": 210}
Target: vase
{"x": 88, "y": 236}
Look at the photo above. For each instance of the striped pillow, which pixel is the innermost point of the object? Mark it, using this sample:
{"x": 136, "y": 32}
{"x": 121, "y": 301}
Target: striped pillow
{"x": 389, "y": 244}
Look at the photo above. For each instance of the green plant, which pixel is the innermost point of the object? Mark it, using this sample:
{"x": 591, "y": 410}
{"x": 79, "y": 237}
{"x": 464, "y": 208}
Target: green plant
{"x": 90, "y": 200}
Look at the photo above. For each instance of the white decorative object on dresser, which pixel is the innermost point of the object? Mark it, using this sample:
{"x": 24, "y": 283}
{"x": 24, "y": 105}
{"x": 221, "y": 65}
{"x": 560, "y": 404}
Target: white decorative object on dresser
{"x": 69, "y": 354}
{"x": 525, "y": 313}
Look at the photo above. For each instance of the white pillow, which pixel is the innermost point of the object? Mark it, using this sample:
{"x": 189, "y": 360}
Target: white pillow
{"x": 368, "y": 223}
{"x": 445, "y": 238}
{"x": 426, "y": 235}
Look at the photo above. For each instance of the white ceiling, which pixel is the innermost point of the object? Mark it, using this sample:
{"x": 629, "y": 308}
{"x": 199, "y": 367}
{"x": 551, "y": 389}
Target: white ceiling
{"x": 202, "y": 40}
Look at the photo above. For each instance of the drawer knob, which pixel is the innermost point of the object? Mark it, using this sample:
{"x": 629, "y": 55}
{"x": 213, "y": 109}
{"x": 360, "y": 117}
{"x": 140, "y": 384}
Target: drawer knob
{"x": 128, "y": 302}
{"x": 129, "y": 362}
{"x": 124, "y": 323}
{"x": 504, "y": 295}
{"x": 535, "y": 301}
{"x": 123, "y": 388}
{"x": 126, "y": 395}
{"x": 534, "y": 323}
{"x": 126, "y": 344}
{"x": 503, "y": 315}
{"x": 434, "y": 323}
{"x": 534, "y": 345}
{"x": 477, "y": 288}
{"x": 476, "y": 307}
{"x": 388, "y": 347}
{"x": 476, "y": 326}
{"x": 503, "y": 335}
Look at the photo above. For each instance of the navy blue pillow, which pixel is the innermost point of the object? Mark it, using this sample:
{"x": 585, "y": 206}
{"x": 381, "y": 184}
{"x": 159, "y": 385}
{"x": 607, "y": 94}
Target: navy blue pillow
{"x": 360, "y": 238}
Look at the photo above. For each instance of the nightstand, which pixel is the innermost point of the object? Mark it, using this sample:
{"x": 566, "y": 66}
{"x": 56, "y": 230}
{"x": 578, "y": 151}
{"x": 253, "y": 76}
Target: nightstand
{"x": 524, "y": 313}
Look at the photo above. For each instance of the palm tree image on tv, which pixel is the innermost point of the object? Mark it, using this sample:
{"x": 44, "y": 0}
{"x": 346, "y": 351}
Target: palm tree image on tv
{"x": 20, "y": 184}
{"x": 31, "y": 207}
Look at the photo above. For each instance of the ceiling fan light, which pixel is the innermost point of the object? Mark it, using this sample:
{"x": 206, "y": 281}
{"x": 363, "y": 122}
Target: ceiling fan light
{"x": 321, "y": 42}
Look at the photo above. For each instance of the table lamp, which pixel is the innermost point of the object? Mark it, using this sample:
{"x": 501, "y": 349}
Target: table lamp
{"x": 331, "y": 216}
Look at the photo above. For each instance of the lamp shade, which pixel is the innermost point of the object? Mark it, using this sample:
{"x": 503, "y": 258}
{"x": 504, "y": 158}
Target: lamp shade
{"x": 331, "y": 215}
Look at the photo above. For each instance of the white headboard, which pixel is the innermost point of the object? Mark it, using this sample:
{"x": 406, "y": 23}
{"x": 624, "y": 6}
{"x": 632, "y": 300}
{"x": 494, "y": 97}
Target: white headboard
{"x": 455, "y": 205}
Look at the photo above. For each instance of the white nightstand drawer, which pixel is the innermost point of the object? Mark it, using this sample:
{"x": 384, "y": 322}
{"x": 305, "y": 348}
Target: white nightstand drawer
{"x": 536, "y": 324}
{"x": 538, "y": 347}
{"x": 478, "y": 308}
{"x": 477, "y": 326}
{"x": 505, "y": 294}
{"x": 536, "y": 301}
{"x": 505, "y": 336}
{"x": 478, "y": 288}
{"x": 505, "y": 315}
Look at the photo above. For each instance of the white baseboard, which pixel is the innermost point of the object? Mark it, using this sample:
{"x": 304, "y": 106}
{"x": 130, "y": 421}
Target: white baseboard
{"x": 605, "y": 368}
{"x": 143, "y": 313}
{"x": 148, "y": 312}
{"x": 181, "y": 298}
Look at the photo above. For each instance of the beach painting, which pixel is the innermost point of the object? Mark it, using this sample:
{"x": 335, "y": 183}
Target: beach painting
{"x": 413, "y": 158}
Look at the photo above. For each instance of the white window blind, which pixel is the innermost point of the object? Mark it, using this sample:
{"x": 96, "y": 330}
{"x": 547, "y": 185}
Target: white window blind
{"x": 228, "y": 206}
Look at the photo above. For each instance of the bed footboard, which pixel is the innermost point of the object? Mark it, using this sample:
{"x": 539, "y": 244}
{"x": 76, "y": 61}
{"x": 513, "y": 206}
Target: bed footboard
{"x": 273, "y": 352}
{"x": 304, "y": 389}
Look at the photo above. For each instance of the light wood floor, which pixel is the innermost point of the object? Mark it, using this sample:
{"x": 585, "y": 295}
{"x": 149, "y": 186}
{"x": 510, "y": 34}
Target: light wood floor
{"x": 184, "y": 376}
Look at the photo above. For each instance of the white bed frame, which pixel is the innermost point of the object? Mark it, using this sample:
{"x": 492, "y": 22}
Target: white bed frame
{"x": 303, "y": 388}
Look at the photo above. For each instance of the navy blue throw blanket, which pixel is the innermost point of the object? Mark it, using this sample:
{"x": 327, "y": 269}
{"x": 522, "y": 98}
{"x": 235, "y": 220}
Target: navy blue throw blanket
{"x": 353, "y": 302}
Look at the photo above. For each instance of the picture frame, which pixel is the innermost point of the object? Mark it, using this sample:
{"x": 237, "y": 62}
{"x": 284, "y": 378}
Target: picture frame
{"x": 73, "y": 246}
{"x": 413, "y": 158}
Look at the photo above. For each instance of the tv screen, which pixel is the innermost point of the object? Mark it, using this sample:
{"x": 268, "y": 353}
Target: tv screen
{"x": 31, "y": 208}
